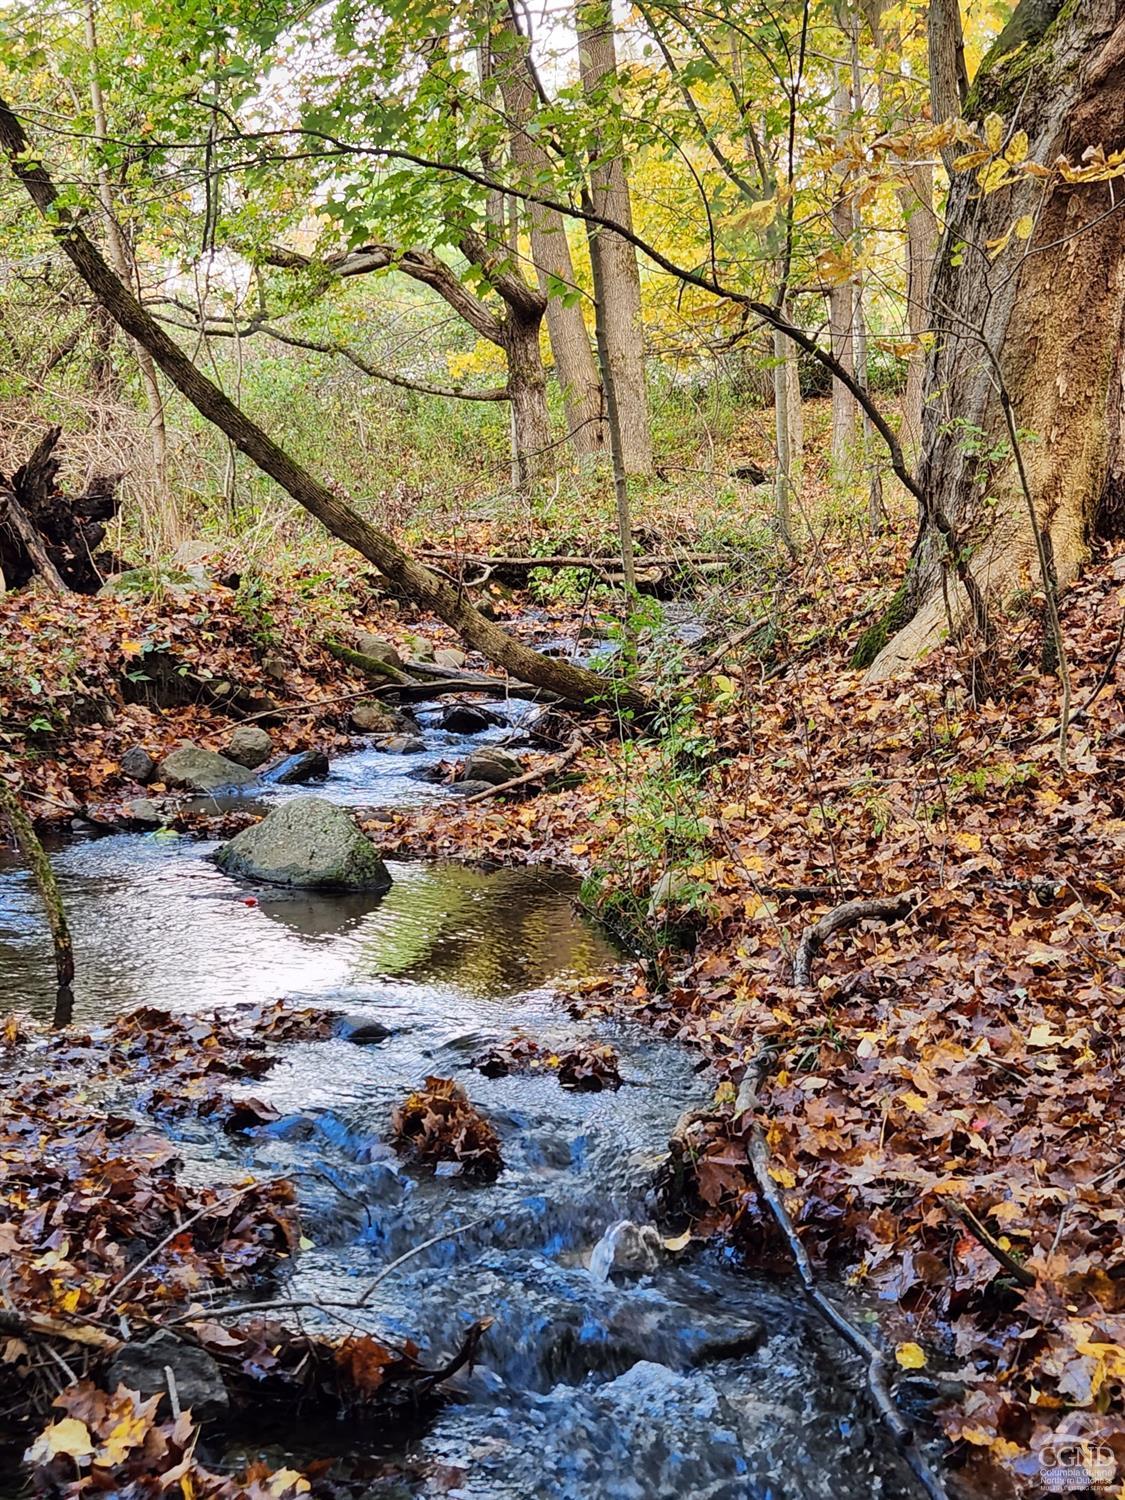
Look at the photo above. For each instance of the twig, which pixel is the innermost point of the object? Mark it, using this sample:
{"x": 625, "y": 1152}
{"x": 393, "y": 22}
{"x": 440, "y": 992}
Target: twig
{"x": 981, "y": 1235}
{"x": 866, "y": 909}
{"x": 535, "y": 774}
{"x": 731, "y": 642}
{"x": 208, "y": 1208}
{"x": 285, "y": 1304}
{"x": 1106, "y": 675}
{"x": 173, "y": 1392}
{"x": 42, "y": 1326}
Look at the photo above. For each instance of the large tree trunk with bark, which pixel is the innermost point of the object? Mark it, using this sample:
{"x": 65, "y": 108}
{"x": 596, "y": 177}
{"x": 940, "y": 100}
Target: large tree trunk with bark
{"x": 446, "y": 599}
{"x": 1043, "y": 322}
{"x": 617, "y": 258}
{"x": 550, "y": 252}
{"x": 532, "y": 453}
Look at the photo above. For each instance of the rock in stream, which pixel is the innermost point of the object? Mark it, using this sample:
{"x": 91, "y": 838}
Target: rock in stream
{"x": 307, "y": 842}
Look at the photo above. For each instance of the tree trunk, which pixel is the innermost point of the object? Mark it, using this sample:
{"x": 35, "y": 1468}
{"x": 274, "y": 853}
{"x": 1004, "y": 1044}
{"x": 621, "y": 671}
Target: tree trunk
{"x": 841, "y": 307}
{"x": 949, "y": 80}
{"x": 783, "y": 435}
{"x": 618, "y": 274}
{"x": 121, "y": 259}
{"x": 1051, "y": 313}
{"x": 550, "y": 252}
{"x": 917, "y": 203}
{"x": 428, "y": 590}
{"x": 532, "y": 452}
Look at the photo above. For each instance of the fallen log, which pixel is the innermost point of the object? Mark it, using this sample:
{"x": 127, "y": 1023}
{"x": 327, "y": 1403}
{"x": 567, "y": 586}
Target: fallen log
{"x": 567, "y": 560}
{"x": 430, "y": 681}
{"x": 402, "y": 571}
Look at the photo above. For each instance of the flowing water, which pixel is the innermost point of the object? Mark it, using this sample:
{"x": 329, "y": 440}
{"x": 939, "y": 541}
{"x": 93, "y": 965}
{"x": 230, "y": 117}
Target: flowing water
{"x": 614, "y": 1369}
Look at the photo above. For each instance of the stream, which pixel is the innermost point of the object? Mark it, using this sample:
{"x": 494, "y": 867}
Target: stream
{"x": 614, "y": 1369}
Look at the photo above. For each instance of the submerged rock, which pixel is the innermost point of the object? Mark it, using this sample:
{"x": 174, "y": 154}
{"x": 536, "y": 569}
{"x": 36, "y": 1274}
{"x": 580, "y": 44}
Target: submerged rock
{"x": 401, "y": 744}
{"x": 142, "y": 811}
{"x": 626, "y": 1246}
{"x": 491, "y": 765}
{"x": 190, "y": 768}
{"x": 363, "y": 1030}
{"x": 295, "y": 770}
{"x": 308, "y": 843}
{"x": 249, "y": 746}
{"x": 138, "y": 765}
{"x": 468, "y": 718}
{"x": 144, "y": 1367}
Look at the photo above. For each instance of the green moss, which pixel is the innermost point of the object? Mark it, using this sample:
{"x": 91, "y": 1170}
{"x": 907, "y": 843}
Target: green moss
{"x": 899, "y": 612}
{"x": 1026, "y": 44}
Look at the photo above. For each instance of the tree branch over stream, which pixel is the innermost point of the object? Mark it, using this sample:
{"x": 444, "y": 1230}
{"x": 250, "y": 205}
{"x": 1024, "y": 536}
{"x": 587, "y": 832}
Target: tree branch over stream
{"x": 431, "y": 592}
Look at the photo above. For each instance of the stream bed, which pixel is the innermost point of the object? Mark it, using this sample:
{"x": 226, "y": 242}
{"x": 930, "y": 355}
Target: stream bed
{"x": 614, "y": 1369}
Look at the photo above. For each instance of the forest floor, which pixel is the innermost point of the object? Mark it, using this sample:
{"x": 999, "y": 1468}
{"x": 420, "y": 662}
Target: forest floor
{"x": 943, "y": 1097}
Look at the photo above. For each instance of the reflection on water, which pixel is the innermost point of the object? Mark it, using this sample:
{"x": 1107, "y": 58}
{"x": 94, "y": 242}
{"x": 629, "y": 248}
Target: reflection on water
{"x": 155, "y": 922}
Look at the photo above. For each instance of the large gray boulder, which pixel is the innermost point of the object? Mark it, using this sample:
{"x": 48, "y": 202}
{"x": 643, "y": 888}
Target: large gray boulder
{"x": 377, "y": 648}
{"x": 308, "y": 843}
{"x": 250, "y": 746}
{"x": 491, "y": 765}
{"x": 190, "y": 768}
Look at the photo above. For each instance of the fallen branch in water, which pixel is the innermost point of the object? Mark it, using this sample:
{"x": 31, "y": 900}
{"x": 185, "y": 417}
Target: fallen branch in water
{"x": 489, "y": 687}
{"x": 866, "y": 909}
{"x": 878, "y": 1370}
{"x": 535, "y": 774}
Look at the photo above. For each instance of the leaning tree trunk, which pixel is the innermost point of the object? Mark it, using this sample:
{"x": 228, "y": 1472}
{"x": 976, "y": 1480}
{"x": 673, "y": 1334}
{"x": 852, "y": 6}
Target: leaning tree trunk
{"x": 1043, "y": 322}
{"x": 425, "y": 588}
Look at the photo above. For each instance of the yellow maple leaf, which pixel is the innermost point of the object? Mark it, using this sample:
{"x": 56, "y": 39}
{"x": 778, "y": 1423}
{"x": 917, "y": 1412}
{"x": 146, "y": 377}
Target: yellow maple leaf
{"x": 123, "y": 1436}
{"x": 910, "y": 1356}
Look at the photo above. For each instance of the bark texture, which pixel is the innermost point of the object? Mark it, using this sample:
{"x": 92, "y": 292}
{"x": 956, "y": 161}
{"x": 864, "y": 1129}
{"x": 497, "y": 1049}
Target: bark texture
{"x": 1051, "y": 311}
{"x": 550, "y": 253}
{"x": 949, "y": 80}
{"x": 618, "y": 273}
